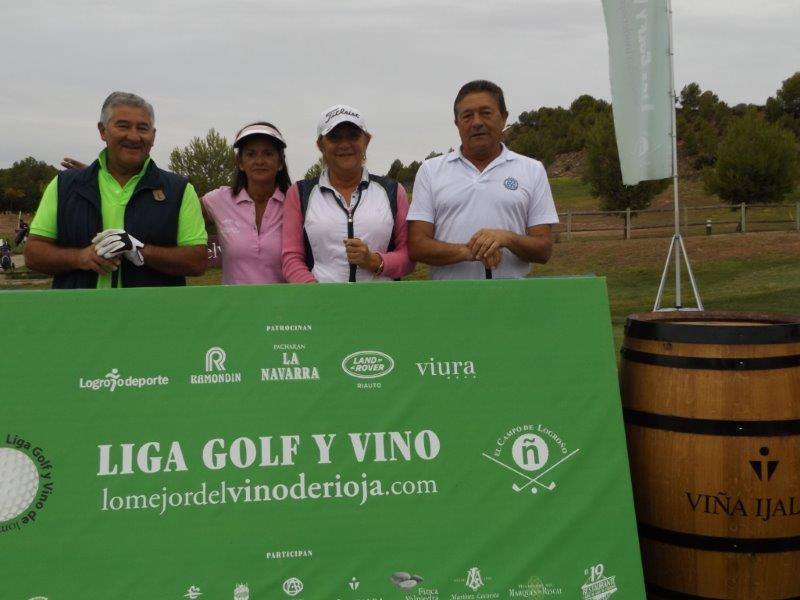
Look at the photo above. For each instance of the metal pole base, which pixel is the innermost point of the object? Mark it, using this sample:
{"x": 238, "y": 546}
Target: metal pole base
{"x": 677, "y": 246}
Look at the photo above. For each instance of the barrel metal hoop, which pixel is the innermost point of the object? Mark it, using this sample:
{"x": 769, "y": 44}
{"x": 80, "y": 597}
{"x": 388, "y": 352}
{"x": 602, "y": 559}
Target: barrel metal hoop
{"x": 719, "y": 544}
{"x": 673, "y": 594}
{"x": 714, "y": 364}
{"x": 666, "y": 331}
{"x": 724, "y": 427}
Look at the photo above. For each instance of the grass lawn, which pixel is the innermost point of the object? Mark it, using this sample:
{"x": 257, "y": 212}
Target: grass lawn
{"x": 742, "y": 272}
{"x": 570, "y": 193}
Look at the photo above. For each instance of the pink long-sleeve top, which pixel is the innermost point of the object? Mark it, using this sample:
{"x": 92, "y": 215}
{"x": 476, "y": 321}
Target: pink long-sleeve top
{"x": 326, "y": 227}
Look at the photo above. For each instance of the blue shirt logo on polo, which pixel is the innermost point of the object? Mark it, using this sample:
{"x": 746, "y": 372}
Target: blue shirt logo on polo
{"x": 511, "y": 183}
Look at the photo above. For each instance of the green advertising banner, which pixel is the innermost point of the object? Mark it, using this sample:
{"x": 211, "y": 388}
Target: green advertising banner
{"x": 421, "y": 440}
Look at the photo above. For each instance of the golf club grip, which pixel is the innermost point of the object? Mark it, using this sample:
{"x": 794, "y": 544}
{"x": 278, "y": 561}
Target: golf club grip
{"x": 350, "y": 236}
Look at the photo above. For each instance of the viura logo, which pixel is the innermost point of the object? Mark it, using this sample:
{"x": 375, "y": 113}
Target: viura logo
{"x": 367, "y": 364}
{"x": 449, "y": 369}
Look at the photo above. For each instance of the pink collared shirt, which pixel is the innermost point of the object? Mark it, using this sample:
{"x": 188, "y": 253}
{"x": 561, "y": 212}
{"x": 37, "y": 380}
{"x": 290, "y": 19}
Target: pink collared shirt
{"x": 248, "y": 255}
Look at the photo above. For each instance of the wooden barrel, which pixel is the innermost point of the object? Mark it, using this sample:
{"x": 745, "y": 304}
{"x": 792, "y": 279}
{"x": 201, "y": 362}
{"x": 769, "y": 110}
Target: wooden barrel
{"x": 712, "y": 412}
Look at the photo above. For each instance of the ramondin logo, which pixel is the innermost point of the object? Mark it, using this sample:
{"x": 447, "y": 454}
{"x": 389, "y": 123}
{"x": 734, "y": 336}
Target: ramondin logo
{"x": 535, "y": 450}
{"x": 114, "y": 380}
{"x": 215, "y": 369}
{"x": 26, "y": 482}
{"x": 368, "y": 364}
{"x": 215, "y": 359}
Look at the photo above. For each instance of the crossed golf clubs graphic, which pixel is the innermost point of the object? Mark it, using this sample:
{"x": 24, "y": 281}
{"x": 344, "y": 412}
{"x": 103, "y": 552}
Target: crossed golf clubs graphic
{"x": 532, "y": 480}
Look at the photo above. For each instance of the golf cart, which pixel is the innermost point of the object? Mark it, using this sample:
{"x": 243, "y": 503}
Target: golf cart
{"x": 6, "y": 264}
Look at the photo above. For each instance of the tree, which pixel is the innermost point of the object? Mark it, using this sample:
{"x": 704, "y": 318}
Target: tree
{"x": 707, "y": 144}
{"x": 757, "y": 161}
{"x": 314, "y": 170}
{"x": 784, "y": 108}
{"x": 710, "y": 108}
{"x": 395, "y": 169}
{"x": 541, "y": 134}
{"x": 690, "y": 97}
{"x": 604, "y": 176}
{"x": 22, "y": 184}
{"x": 409, "y": 173}
{"x": 788, "y": 96}
{"x": 584, "y": 111}
{"x": 208, "y": 162}
{"x": 547, "y": 132}
{"x": 406, "y": 174}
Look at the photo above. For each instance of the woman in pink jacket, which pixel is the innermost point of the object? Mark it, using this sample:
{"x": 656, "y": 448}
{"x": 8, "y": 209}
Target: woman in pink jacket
{"x": 345, "y": 225}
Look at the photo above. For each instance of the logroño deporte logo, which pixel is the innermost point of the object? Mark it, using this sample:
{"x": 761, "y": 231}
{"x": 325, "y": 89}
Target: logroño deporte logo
{"x": 113, "y": 380}
{"x": 531, "y": 452}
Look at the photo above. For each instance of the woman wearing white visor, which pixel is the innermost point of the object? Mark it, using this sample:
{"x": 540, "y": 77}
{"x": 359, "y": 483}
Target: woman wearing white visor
{"x": 345, "y": 225}
{"x": 249, "y": 213}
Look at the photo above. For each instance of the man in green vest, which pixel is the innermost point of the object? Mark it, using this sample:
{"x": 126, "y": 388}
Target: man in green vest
{"x": 121, "y": 221}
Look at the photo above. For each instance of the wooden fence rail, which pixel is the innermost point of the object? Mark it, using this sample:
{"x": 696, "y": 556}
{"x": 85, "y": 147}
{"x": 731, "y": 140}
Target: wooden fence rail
{"x": 695, "y": 220}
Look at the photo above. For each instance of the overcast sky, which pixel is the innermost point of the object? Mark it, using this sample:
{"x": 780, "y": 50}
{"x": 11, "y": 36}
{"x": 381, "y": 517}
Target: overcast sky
{"x": 220, "y": 64}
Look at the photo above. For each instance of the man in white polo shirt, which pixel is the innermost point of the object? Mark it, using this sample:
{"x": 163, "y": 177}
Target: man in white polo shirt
{"x": 482, "y": 210}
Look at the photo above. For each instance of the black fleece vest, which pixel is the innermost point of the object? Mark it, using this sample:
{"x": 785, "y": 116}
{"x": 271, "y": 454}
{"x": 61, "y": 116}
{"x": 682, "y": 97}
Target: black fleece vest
{"x": 151, "y": 216}
{"x": 306, "y": 186}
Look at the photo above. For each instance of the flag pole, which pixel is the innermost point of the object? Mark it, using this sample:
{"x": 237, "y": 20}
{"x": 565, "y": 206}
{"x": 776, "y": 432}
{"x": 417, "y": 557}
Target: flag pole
{"x": 676, "y": 245}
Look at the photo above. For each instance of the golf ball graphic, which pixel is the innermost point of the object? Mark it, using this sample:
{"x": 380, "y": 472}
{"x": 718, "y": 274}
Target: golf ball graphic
{"x": 19, "y": 482}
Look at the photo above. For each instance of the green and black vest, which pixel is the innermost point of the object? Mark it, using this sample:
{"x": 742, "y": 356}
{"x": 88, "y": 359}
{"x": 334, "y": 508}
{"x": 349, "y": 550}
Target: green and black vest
{"x": 151, "y": 216}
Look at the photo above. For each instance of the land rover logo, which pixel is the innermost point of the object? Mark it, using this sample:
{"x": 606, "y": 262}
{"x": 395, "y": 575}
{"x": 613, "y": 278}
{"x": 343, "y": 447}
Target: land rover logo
{"x": 367, "y": 364}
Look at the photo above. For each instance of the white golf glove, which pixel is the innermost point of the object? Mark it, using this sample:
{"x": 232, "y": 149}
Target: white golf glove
{"x": 111, "y": 243}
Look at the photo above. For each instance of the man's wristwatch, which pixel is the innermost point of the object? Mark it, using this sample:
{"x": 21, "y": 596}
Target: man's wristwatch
{"x": 379, "y": 270}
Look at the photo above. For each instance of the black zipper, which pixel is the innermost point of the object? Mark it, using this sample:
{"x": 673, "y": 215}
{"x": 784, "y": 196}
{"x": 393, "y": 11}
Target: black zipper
{"x": 116, "y": 275}
{"x": 350, "y": 226}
